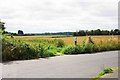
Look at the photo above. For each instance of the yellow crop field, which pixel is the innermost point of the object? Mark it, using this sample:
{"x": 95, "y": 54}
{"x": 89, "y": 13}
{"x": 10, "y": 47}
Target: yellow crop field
{"x": 70, "y": 40}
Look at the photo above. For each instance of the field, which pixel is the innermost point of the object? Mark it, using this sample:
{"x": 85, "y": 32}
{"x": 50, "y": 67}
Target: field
{"x": 70, "y": 40}
{"x": 31, "y": 47}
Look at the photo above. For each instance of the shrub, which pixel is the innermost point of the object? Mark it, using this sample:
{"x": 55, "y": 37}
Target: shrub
{"x": 52, "y": 52}
{"x": 88, "y": 48}
{"x": 24, "y": 52}
{"x": 59, "y": 49}
{"x": 59, "y": 43}
{"x": 72, "y": 50}
{"x": 17, "y": 50}
{"x": 107, "y": 47}
{"x": 41, "y": 50}
{"x": 13, "y": 49}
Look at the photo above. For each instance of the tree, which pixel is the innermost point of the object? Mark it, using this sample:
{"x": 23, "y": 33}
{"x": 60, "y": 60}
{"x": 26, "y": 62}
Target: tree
{"x": 111, "y": 32}
{"x": 20, "y": 32}
{"x": 97, "y": 32}
{"x": 2, "y": 25}
{"x": 81, "y": 33}
{"x": 75, "y": 34}
{"x": 116, "y": 32}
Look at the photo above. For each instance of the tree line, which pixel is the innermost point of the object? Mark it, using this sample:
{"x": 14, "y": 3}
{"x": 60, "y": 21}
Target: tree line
{"x": 77, "y": 33}
{"x": 96, "y": 32}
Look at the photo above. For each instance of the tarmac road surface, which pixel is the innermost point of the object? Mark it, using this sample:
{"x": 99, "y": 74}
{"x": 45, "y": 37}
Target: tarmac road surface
{"x": 67, "y": 66}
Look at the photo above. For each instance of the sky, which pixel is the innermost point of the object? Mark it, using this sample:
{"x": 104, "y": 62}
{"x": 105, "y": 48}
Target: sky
{"x": 39, "y": 16}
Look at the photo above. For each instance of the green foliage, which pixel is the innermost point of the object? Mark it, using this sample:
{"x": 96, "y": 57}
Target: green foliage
{"x": 2, "y": 25}
{"x": 108, "y": 70}
{"x": 13, "y": 49}
{"x": 72, "y": 50}
{"x": 105, "y": 71}
{"x": 88, "y": 48}
{"x": 17, "y": 50}
{"x": 43, "y": 51}
{"x": 55, "y": 50}
{"x": 107, "y": 47}
{"x": 59, "y": 43}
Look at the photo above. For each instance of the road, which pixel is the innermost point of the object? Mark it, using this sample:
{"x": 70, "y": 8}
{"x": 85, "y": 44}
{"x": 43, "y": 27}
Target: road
{"x": 67, "y": 66}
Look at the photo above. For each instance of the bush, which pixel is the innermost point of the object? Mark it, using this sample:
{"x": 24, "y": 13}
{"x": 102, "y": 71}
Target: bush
{"x": 88, "y": 48}
{"x": 107, "y": 47}
{"x": 72, "y": 50}
{"x": 17, "y": 51}
{"x": 13, "y": 49}
{"x": 54, "y": 50}
{"x": 44, "y": 51}
{"x": 59, "y": 43}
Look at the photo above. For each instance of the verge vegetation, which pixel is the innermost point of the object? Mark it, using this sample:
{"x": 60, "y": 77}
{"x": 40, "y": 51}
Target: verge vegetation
{"x": 105, "y": 71}
{"x": 23, "y": 49}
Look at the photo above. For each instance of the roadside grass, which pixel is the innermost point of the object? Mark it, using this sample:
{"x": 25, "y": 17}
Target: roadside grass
{"x": 14, "y": 49}
{"x": 22, "y": 48}
{"x": 105, "y": 71}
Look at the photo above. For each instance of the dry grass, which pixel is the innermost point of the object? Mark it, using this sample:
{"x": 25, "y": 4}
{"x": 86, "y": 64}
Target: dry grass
{"x": 70, "y": 40}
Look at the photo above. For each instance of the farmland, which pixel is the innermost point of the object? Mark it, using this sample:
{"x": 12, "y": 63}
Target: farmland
{"x": 70, "y": 40}
{"x": 31, "y": 47}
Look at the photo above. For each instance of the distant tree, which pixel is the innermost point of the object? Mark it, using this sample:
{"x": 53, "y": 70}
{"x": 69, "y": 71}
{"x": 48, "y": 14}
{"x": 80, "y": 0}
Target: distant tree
{"x": 97, "y": 32}
{"x": 87, "y": 32}
{"x": 20, "y": 32}
{"x": 14, "y": 34}
{"x": 105, "y": 32}
{"x": 81, "y": 33}
{"x": 2, "y": 25}
{"x": 91, "y": 32}
{"x": 116, "y": 31}
{"x": 111, "y": 32}
{"x": 75, "y": 34}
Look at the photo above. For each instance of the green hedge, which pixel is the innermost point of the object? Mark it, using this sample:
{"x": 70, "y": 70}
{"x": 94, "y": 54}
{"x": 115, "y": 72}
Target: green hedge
{"x": 73, "y": 50}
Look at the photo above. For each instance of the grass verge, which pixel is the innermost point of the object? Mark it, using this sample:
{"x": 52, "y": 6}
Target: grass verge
{"x": 17, "y": 49}
{"x": 105, "y": 71}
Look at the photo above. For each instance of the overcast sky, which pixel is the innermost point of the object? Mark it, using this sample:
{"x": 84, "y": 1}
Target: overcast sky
{"x": 36, "y": 16}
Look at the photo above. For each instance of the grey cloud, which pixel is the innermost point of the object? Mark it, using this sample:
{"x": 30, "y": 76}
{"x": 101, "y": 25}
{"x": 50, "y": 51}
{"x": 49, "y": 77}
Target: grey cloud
{"x": 64, "y": 14}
